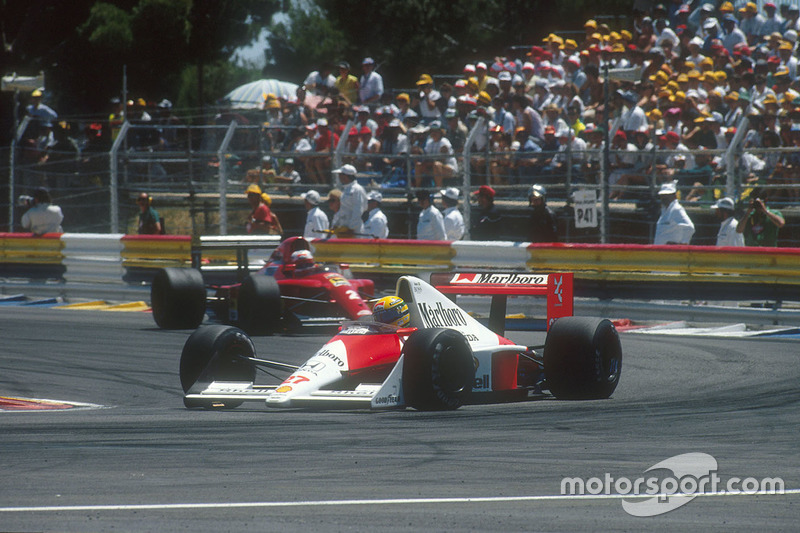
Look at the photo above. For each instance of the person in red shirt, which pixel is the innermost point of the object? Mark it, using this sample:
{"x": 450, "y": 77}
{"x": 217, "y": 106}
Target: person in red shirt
{"x": 325, "y": 142}
{"x": 262, "y": 220}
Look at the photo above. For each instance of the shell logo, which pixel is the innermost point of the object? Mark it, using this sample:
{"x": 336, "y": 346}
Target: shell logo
{"x": 283, "y": 388}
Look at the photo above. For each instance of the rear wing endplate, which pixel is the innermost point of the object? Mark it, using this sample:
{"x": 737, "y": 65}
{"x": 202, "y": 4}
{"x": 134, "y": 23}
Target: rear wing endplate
{"x": 556, "y": 287}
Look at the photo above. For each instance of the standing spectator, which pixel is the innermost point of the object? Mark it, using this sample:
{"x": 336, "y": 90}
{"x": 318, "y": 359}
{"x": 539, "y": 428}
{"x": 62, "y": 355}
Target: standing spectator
{"x": 673, "y": 226}
{"x": 727, "y": 234}
{"x": 543, "y": 224}
{"x": 347, "y": 221}
{"x": 43, "y": 217}
{"x": 488, "y": 221}
{"x": 428, "y": 99}
{"x": 43, "y": 115}
{"x": 262, "y": 220}
{"x": 430, "y": 225}
{"x": 346, "y": 83}
{"x": 370, "y": 87}
{"x": 320, "y": 82}
{"x": 316, "y": 220}
{"x": 376, "y": 225}
{"x": 453, "y": 220}
{"x": 149, "y": 221}
{"x": 760, "y": 224}
{"x": 324, "y": 143}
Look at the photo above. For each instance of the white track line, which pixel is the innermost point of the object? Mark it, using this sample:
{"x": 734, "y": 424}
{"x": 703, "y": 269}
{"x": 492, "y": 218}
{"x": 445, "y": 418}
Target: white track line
{"x": 386, "y": 502}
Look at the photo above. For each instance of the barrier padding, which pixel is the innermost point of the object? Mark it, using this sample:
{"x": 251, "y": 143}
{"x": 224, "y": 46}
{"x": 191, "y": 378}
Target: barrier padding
{"x": 388, "y": 254}
{"x": 25, "y": 248}
{"x": 635, "y": 262}
{"x": 156, "y": 251}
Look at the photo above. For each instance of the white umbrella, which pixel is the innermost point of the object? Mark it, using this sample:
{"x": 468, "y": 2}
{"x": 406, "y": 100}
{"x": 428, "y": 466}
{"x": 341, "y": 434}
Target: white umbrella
{"x": 251, "y": 95}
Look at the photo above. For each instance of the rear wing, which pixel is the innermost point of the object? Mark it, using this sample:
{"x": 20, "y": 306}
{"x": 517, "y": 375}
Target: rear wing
{"x": 556, "y": 287}
{"x": 224, "y": 248}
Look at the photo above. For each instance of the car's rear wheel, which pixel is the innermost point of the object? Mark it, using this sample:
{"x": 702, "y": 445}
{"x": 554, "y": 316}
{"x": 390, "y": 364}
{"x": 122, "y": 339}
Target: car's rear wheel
{"x": 438, "y": 369}
{"x": 178, "y": 298}
{"x": 259, "y": 307}
{"x": 582, "y": 358}
{"x": 216, "y": 353}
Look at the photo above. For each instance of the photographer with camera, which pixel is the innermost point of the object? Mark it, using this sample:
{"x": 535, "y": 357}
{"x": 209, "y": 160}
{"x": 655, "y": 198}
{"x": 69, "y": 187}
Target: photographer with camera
{"x": 760, "y": 224}
{"x": 42, "y": 217}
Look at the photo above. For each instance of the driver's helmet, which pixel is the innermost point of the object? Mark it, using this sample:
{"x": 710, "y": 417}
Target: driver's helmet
{"x": 302, "y": 259}
{"x": 391, "y": 310}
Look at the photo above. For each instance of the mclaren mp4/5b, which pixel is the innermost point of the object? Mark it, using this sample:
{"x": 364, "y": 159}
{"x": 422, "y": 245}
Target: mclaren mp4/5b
{"x": 435, "y": 356}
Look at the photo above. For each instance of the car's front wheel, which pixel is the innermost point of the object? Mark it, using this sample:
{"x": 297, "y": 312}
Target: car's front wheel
{"x": 216, "y": 353}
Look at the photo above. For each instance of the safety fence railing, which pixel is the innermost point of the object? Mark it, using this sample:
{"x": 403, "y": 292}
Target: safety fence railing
{"x": 207, "y": 168}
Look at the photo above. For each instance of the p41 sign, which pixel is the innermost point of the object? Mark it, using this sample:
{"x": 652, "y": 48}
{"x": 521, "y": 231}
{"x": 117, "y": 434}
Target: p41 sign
{"x": 585, "y": 209}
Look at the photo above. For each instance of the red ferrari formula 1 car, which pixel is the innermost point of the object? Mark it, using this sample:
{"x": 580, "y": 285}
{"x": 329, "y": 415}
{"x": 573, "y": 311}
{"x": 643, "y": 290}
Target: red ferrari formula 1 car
{"x": 290, "y": 290}
{"x": 439, "y": 357}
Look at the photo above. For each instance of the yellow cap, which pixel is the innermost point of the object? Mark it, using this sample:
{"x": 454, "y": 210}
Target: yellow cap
{"x": 253, "y": 189}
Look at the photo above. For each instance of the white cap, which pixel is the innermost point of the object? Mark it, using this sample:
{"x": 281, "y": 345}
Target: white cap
{"x": 724, "y": 203}
{"x": 311, "y": 197}
{"x": 322, "y": 122}
{"x": 668, "y": 188}
{"x": 348, "y": 170}
{"x": 537, "y": 190}
{"x": 450, "y": 192}
{"x": 375, "y": 196}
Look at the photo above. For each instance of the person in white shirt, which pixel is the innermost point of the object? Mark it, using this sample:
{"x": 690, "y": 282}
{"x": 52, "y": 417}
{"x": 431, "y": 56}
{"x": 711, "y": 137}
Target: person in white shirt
{"x": 43, "y": 217}
{"x": 370, "y": 87}
{"x": 430, "y": 225}
{"x": 316, "y": 220}
{"x": 376, "y": 225}
{"x": 347, "y": 221}
{"x": 727, "y": 235}
{"x": 673, "y": 226}
{"x": 453, "y": 220}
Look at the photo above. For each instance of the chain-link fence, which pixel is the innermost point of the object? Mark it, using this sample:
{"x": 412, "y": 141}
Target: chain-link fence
{"x": 199, "y": 174}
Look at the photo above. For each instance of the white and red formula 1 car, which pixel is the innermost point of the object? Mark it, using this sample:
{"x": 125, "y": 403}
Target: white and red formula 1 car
{"x": 444, "y": 357}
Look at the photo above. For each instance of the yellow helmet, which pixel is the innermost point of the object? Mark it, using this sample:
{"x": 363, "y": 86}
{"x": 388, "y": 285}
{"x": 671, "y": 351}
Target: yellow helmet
{"x": 391, "y": 310}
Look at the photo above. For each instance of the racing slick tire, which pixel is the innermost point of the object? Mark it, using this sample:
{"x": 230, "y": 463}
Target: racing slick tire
{"x": 259, "y": 307}
{"x": 216, "y": 353}
{"x": 582, "y": 358}
{"x": 178, "y": 298}
{"x": 438, "y": 369}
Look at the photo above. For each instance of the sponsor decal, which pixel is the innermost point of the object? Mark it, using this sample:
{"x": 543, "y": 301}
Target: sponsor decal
{"x": 283, "y": 389}
{"x": 499, "y": 279}
{"x": 389, "y": 399}
{"x": 330, "y": 355}
{"x": 312, "y": 367}
{"x": 337, "y": 280}
{"x": 559, "y": 289}
{"x": 439, "y": 316}
{"x": 355, "y": 330}
{"x": 481, "y": 382}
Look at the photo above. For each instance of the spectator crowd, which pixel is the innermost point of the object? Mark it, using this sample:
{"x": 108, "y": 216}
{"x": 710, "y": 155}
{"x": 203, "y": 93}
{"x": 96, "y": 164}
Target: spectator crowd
{"x": 683, "y": 79}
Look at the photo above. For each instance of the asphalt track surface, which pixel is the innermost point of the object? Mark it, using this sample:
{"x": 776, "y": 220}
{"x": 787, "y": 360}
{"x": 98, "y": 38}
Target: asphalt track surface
{"x": 145, "y": 463}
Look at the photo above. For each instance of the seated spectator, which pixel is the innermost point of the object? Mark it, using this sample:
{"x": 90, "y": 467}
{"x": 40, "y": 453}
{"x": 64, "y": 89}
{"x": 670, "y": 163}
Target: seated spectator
{"x": 319, "y": 165}
{"x": 442, "y": 167}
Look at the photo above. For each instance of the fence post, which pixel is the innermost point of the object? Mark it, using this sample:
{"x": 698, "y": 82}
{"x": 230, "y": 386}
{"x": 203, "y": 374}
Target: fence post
{"x": 223, "y": 178}
{"x": 113, "y": 200}
{"x": 730, "y": 156}
{"x": 480, "y": 123}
